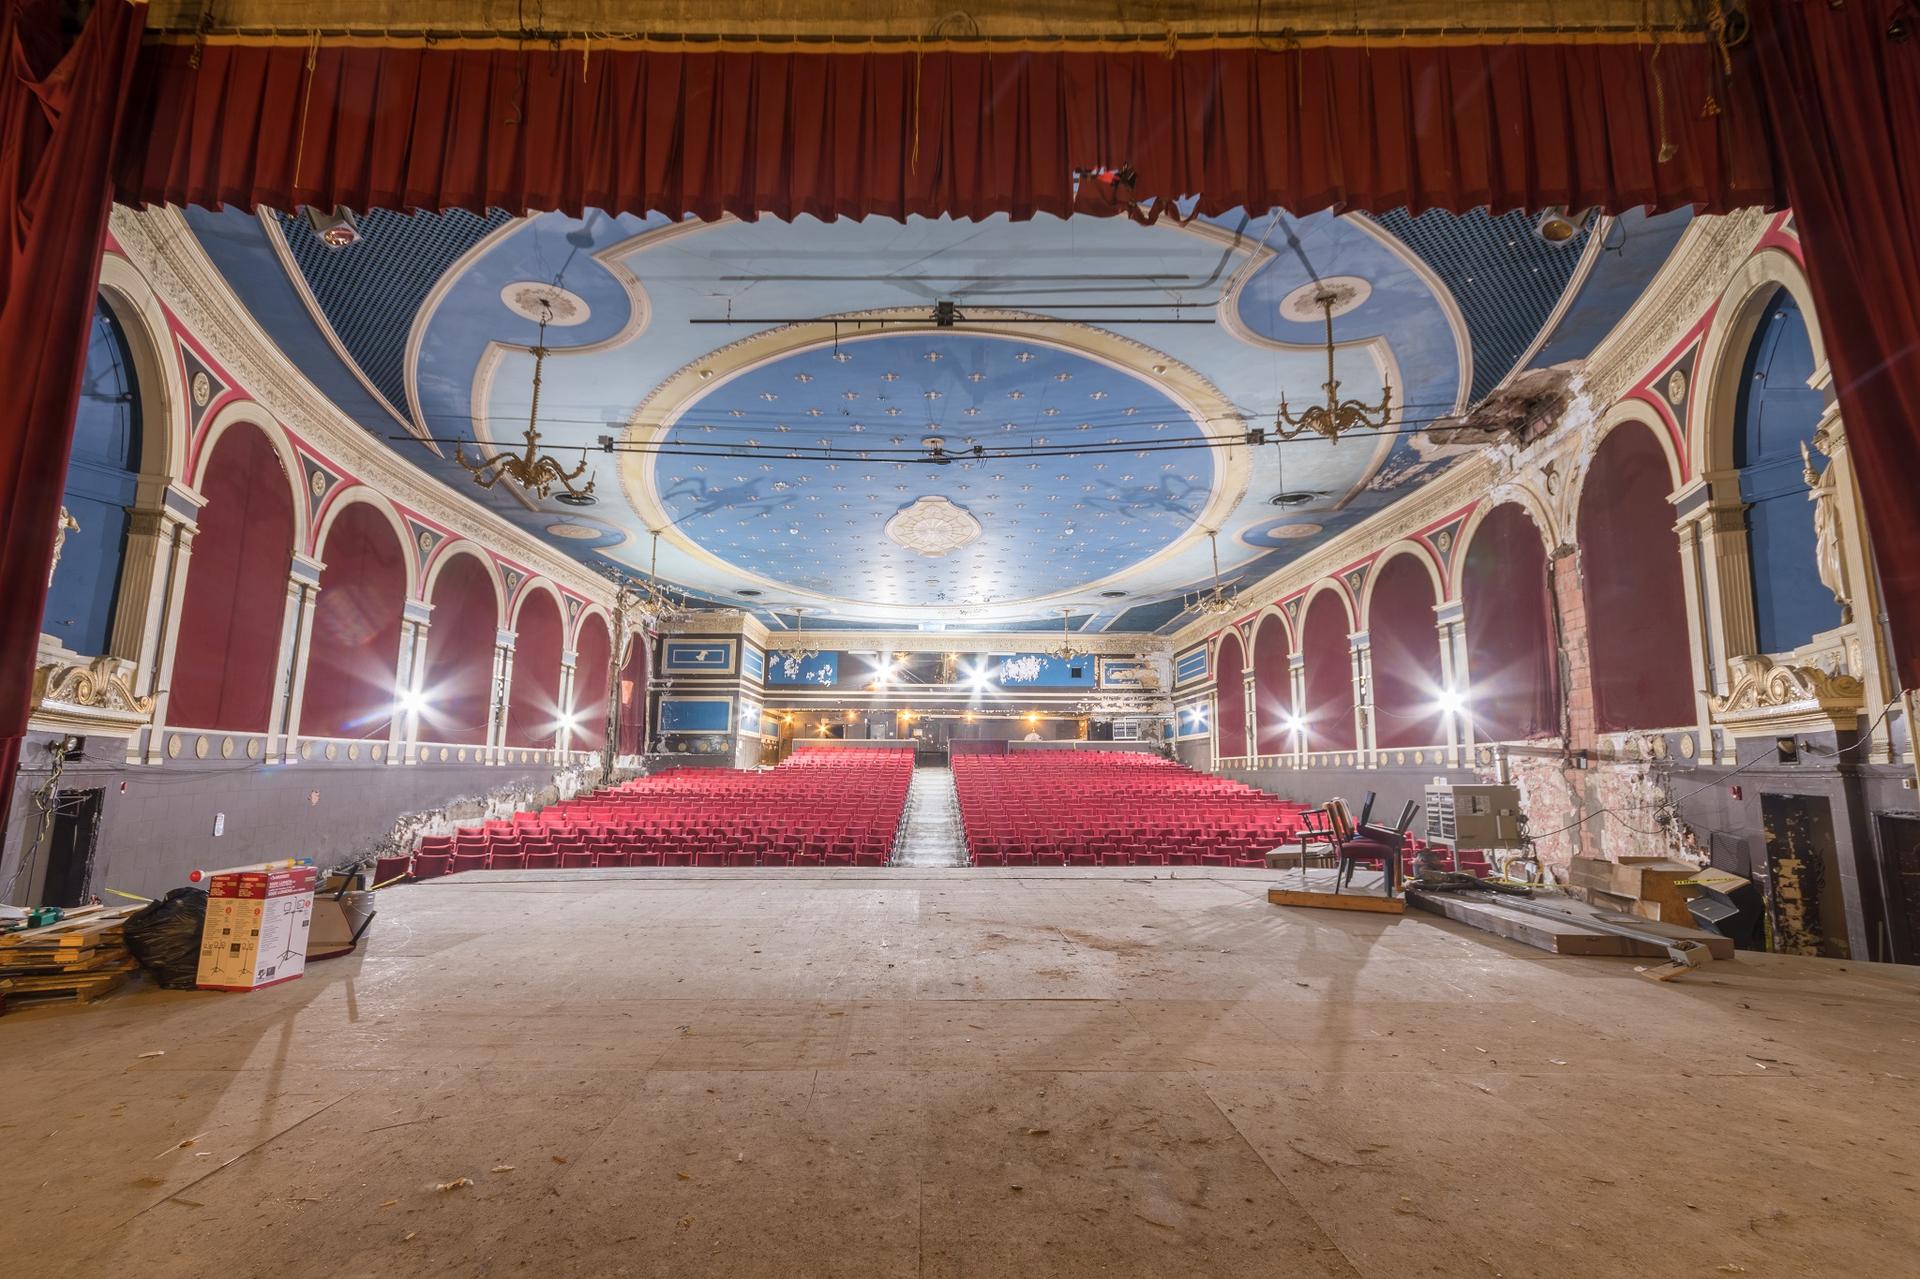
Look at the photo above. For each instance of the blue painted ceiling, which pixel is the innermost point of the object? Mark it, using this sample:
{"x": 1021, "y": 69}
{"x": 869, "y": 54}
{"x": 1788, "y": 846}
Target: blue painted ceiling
{"x": 1103, "y": 422}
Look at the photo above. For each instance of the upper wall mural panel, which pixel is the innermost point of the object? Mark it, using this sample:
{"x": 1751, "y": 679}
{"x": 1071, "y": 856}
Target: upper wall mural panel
{"x": 769, "y": 389}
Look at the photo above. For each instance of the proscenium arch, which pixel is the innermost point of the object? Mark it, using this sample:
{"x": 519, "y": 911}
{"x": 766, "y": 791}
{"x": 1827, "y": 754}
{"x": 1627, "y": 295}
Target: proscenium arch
{"x": 1723, "y": 352}
{"x": 365, "y": 495}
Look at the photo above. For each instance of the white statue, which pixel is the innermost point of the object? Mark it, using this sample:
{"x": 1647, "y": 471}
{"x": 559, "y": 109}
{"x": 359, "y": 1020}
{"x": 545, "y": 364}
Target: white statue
{"x": 1827, "y": 553}
{"x": 66, "y": 525}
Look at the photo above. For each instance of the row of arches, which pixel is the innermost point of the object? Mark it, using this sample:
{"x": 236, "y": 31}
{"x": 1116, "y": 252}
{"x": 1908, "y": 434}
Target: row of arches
{"x": 239, "y": 642}
{"x": 1633, "y": 601}
{"x": 1755, "y": 430}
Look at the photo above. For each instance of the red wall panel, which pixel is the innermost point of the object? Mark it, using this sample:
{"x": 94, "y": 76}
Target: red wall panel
{"x": 1230, "y": 720}
{"x": 235, "y": 602}
{"x": 1272, "y": 689}
{"x": 533, "y": 708}
{"x": 1406, "y": 656}
{"x": 593, "y": 654}
{"x": 355, "y": 647}
{"x": 1636, "y": 601}
{"x": 459, "y": 679}
{"x": 1327, "y": 649}
{"x": 1513, "y": 664}
{"x": 633, "y": 698}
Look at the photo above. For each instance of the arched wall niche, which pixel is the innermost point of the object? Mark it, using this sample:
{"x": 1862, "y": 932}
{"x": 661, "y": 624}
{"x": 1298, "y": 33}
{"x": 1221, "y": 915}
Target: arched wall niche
{"x": 1230, "y": 722}
{"x": 354, "y": 650}
{"x": 1407, "y": 682}
{"x": 458, "y": 689}
{"x": 1513, "y": 664}
{"x": 1326, "y": 648}
{"x": 1635, "y": 597}
{"x": 533, "y": 705}
{"x": 592, "y": 667}
{"x": 234, "y": 605}
{"x": 633, "y": 695}
{"x": 1272, "y": 684}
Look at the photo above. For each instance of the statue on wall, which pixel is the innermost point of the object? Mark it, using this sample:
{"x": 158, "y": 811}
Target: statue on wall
{"x": 66, "y": 525}
{"x": 1828, "y": 555}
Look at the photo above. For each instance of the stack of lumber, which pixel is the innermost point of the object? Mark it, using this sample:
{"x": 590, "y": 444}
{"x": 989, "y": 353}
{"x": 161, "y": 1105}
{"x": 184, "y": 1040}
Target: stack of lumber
{"x": 1650, "y": 887}
{"x": 80, "y": 958}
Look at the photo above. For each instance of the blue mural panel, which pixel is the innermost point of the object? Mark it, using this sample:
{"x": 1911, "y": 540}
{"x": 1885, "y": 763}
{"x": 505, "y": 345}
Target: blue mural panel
{"x": 753, "y": 662}
{"x": 696, "y": 714}
{"x": 699, "y": 657}
{"x": 1122, "y": 673}
{"x": 102, "y": 475}
{"x": 1191, "y": 720}
{"x": 1038, "y": 670}
{"x": 821, "y": 670}
{"x": 1190, "y": 666}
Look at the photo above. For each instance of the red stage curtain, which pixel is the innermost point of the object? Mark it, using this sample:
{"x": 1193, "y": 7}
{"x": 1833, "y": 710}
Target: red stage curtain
{"x": 947, "y": 131}
{"x": 60, "y": 113}
{"x": 1843, "y": 97}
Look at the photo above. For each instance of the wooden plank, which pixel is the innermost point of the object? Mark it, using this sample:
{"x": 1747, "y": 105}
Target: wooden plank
{"x": 1337, "y": 901}
{"x": 1563, "y": 937}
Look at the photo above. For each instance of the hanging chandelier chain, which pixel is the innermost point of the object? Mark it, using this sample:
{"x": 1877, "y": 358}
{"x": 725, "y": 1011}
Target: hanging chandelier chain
{"x": 536, "y": 472}
{"x": 1336, "y": 415}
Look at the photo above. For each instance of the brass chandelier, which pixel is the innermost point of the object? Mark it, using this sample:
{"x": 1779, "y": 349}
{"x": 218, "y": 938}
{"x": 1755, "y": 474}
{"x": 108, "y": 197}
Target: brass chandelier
{"x": 1216, "y": 599}
{"x": 532, "y": 470}
{"x": 651, "y": 602}
{"x": 1336, "y": 415}
{"x": 1064, "y": 650}
{"x": 799, "y": 653}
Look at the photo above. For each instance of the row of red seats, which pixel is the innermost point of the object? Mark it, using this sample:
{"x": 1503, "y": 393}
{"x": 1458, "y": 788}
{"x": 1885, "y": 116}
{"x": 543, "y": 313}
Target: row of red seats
{"x": 1093, "y": 808}
{"x": 809, "y": 811}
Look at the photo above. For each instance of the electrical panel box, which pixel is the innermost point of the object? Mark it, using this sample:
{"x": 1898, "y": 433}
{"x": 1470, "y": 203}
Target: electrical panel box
{"x": 1481, "y": 816}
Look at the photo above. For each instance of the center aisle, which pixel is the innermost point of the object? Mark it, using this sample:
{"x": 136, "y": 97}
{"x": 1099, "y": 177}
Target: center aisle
{"x": 930, "y": 835}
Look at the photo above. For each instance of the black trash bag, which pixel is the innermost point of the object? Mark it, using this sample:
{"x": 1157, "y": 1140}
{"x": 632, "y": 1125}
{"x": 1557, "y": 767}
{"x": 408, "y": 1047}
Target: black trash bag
{"x": 165, "y": 937}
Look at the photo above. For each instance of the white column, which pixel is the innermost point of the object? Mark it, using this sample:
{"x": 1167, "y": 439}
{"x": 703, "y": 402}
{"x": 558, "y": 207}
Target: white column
{"x": 1250, "y": 716}
{"x": 563, "y": 736}
{"x": 1700, "y": 654}
{"x": 160, "y": 621}
{"x": 1297, "y": 696}
{"x": 296, "y": 638}
{"x": 1450, "y": 622}
{"x": 1360, "y": 656}
{"x": 409, "y": 683}
{"x": 1729, "y": 578}
{"x": 502, "y": 695}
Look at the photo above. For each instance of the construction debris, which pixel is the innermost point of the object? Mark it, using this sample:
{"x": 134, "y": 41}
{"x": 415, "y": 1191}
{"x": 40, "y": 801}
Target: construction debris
{"x": 78, "y": 958}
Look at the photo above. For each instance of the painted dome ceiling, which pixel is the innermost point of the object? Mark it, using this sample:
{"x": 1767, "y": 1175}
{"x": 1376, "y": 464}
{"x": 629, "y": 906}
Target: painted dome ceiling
{"x": 765, "y": 394}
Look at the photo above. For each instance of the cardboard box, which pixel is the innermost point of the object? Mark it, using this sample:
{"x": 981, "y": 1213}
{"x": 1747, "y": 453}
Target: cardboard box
{"x": 256, "y": 929}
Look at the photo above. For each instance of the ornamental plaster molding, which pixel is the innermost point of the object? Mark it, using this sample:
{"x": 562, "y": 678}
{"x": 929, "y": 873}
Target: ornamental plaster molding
{"x": 93, "y": 696}
{"x": 163, "y": 249}
{"x": 932, "y": 527}
{"x": 1694, "y": 275}
{"x": 1780, "y": 694}
{"x": 1089, "y": 643}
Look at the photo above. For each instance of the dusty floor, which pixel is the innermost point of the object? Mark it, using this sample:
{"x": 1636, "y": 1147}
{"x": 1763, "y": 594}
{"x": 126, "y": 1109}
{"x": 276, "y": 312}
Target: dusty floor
{"x": 963, "y": 1073}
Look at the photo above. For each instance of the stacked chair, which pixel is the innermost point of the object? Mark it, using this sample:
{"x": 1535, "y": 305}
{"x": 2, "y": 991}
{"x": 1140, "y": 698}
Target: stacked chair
{"x": 822, "y": 807}
{"x": 1112, "y": 808}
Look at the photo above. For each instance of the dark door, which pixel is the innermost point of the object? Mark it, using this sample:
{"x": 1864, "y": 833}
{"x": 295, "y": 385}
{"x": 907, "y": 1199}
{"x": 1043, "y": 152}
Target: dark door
{"x": 76, "y": 830}
{"x": 1804, "y": 905}
{"x": 1900, "y": 854}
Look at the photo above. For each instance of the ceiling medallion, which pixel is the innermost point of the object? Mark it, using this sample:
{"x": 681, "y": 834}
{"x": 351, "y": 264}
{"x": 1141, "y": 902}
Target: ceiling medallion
{"x": 932, "y": 526}
{"x": 525, "y": 297}
{"x": 1296, "y": 530}
{"x": 574, "y": 532}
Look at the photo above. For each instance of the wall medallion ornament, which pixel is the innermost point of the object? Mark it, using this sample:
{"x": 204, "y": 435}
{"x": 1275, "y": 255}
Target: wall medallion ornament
{"x": 202, "y": 389}
{"x": 1677, "y": 387}
{"x": 932, "y": 526}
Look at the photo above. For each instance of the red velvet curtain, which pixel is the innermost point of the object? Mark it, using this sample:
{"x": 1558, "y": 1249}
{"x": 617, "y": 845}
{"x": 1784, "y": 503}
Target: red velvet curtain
{"x": 60, "y": 113}
{"x": 944, "y": 131}
{"x": 1842, "y": 95}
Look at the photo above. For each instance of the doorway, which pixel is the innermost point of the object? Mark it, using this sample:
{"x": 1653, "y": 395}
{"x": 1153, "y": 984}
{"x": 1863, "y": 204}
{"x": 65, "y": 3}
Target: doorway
{"x": 70, "y": 846}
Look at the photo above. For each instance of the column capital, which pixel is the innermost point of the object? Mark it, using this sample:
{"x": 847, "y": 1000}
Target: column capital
{"x": 305, "y": 570}
{"x": 419, "y": 612}
{"x": 504, "y": 640}
{"x": 1450, "y": 612}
